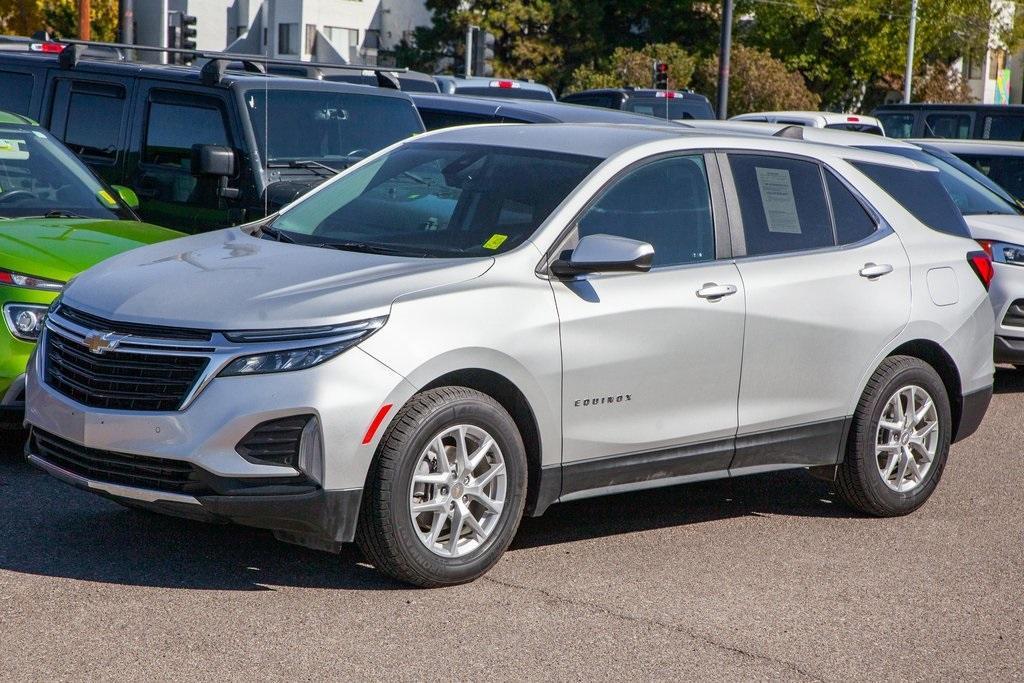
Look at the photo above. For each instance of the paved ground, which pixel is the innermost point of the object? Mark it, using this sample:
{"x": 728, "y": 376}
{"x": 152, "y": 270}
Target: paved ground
{"x": 763, "y": 577}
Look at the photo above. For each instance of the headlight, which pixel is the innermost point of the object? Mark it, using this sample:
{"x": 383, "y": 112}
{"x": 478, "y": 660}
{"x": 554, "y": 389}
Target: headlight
{"x": 25, "y": 321}
{"x": 1002, "y": 252}
{"x": 342, "y": 337}
{"x": 13, "y": 279}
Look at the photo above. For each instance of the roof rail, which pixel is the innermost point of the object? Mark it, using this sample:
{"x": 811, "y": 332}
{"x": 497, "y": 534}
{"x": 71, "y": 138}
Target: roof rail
{"x": 213, "y": 74}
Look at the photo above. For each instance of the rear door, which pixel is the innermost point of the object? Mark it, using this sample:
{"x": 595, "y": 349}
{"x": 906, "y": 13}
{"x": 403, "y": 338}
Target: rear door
{"x": 22, "y": 89}
{"x": 827, "y": 286}
{"x": 90, "y": 115}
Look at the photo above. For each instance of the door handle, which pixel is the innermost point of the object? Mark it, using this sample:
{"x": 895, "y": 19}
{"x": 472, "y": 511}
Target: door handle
{"x": 873, "y": 270}
{"x": 713, "y": 291}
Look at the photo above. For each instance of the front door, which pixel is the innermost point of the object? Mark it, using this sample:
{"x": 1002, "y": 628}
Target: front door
{"x": 651, "y": 361}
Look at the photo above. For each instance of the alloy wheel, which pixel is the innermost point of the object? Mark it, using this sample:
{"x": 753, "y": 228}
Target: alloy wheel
{"x": 907, "y": 439}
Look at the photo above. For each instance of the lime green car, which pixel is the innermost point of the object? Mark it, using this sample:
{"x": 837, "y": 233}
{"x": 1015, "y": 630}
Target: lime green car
{"x": 56, "y": 220}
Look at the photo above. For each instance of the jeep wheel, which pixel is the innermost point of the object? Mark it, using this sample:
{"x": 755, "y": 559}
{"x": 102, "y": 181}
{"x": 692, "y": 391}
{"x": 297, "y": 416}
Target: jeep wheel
{"x": 446, "y": 491}
{"x": 898, "y": 441}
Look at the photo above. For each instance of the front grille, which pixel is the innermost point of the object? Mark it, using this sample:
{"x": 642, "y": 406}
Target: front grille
{"x": 1015, "y": 314}
{"x": 137, "y": 471}
{"x": 136, "y": 329}
{"x": 275, "y": 442}
{"x": 118, "y": 380}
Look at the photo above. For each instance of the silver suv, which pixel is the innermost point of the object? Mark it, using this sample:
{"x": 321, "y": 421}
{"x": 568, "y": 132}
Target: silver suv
{"x": 475, "y": 324}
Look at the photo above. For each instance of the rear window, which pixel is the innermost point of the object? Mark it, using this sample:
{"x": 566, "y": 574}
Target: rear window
{"x": 677, "y": 108}
{"x": 920, "y": 193}
{"x": 510, "y": 93}
{"x": 857, "y": 128}
{"x": 434, "y": 119}
{"x": 897, "y": 125}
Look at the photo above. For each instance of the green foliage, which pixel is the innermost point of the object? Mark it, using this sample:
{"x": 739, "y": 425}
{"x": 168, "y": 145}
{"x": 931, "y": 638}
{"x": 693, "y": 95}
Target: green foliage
{"x": 629, "y": 67}
{"x": 25, "y": 17}
{"x": 758, "y": 82}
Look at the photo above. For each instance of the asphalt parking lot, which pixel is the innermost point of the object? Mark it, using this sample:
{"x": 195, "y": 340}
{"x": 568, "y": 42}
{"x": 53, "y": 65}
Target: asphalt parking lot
{"x": 760, "y": 577}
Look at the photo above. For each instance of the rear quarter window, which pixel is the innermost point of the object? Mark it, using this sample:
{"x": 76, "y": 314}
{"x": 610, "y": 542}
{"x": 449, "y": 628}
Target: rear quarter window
{"x": 921, "y": 193}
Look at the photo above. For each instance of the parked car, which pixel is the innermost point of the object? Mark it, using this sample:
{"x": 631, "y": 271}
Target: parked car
{"x": 408, "y": 81}
{"x": 443, "y": 111}
{"x": 478, "y": 322}
{"x": 855, "y": 123}
{"x": 507, "y": 88}
{"x": 203, "y": 148}
{"x": 955, "y": 121}
{"x": 1002, "y": 162}
{"x": 678, "y": 105}
{"x": 992, "y": 215}
{"x": 56, "y": 219}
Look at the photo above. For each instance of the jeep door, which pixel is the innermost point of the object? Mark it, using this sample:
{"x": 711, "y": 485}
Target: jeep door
{"x": 651, "y": 361}
{"x": 827, "y": 287}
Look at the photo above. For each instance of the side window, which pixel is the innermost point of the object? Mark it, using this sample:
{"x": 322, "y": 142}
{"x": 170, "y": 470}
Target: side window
{"x": 434, "y": 119}
{"x": 853, "y": 222}
{"x": 1003, "y": 127}
{"x": 898, "y": 125}
{"x": 921, "y": 193}
{"x": 94, "y": 120}
{"x": 172, "y": 129}
{"x": 956, "y": 126}
{"x": 17, "y": 90}
{"x": 666, "y": 203}
{"x": 782, "y": 202}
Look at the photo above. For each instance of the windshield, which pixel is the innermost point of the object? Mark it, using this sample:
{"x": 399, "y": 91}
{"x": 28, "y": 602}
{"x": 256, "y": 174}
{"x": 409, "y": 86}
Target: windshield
{"x": 38, "y": 176}
{"x": 334, "y": 128}
{"x": 438, "y": 200}
{"x": 970, "y": 196}
{"x": 677, "y": 108}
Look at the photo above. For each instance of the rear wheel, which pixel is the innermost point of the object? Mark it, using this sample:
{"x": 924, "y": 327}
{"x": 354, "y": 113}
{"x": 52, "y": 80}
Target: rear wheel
{"x": 447, "y": 489}
{"x": 899, "y": 440}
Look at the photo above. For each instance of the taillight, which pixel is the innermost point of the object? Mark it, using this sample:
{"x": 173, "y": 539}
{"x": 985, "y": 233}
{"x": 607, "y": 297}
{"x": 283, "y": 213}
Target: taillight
{"x": 52, "y": 47}
{"x": 981, "y": 262}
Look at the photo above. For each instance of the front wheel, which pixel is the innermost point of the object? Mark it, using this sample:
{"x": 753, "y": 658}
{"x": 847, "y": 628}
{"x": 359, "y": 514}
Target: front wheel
{"x": 447, "y": 489}
{"x": 899, "y": 440}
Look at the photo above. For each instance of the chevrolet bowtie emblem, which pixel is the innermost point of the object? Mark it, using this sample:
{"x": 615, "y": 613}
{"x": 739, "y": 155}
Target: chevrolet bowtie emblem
{"x": 101, "y": 343}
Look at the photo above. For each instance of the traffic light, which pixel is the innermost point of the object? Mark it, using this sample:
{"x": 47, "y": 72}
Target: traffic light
{"x": 483, "y": 53}
{"x": 661, "y": 75}
{"x": 188, "y": 32}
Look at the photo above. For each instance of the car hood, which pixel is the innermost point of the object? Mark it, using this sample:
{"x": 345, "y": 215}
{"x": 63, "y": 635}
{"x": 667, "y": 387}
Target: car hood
{"x": 1003, "y": 228}
{"x": 60, "y": 248}
{"x": 229, "y": 280}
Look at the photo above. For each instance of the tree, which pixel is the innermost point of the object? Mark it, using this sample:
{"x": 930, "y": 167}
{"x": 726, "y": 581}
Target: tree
{"x": 25, "y": 17}
{"x": 628, "y": 67}
{"x": 758, "y": 82}
{"x": 935, "y": 82}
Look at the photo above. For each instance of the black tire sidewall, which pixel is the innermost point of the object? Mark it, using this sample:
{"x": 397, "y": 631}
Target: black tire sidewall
{"x": 496, "y": 422}
{"x": 895, "y": 502}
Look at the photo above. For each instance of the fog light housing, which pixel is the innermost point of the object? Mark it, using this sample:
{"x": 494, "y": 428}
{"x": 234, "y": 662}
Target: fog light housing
{"x": 311, "y": 451}
{"x": 25, "y": 321}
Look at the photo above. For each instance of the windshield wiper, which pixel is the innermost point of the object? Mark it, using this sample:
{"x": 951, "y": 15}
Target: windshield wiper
{"x": 278, "y": 235}
{"x": 368, "y": 248}
{"x": 323, "y": 169}
{"x": 60, "y": 213}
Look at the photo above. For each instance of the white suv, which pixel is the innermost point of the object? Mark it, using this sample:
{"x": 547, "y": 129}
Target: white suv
{"x": 480, "y": 322}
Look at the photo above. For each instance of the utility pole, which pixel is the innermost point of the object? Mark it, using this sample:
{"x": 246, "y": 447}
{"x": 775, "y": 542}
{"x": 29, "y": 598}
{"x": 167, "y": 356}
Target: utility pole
{"x": 126, "y": 21}
{"x": 84, "y": 12}
{"x": 909, "y": 73}
{"x": 723, "y": 60}
{"x": 469, "y": 51}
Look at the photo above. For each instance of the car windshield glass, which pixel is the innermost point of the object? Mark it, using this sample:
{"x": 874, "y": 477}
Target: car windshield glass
{"x": 334, "y": 128}
{"x": 971, "y": 171}
{"x": 970, "y": 196}
{"x": 677, "y": 108}
{"x": 39, "y": 176}
{"x": 438, "y": 200}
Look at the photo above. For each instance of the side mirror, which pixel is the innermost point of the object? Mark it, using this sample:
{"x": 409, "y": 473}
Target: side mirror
{"x": 127, "y": 195}
{"x": 606, "y": 254}
{"x": 213, "y": 160}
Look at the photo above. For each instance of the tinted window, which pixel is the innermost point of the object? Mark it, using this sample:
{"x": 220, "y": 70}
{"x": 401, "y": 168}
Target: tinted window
{"x": 337, "y": 127}
{"x": 897, "y": 125}
{"x": 956, "y": 126}
{"x": 678, "y": 108}
{"x": 17, "y": 90}
{"x": 172, "y": 129}
{"x": 1008, "y": 171}
{"x": 857, "y": 128}
{"x": 921, "y": 193}
{"x": 782, "y": 202}
{"x": 437, "y": 118}
{"x": 510, "y": 93}
{"x": 1003, "y": 127}
{"x": 605, "y": 101}
{"x": 666, "y": 204}
{"x": 439, "y": 200}
{"x": 853, "y": 222}
{"x": 94, "y": 122}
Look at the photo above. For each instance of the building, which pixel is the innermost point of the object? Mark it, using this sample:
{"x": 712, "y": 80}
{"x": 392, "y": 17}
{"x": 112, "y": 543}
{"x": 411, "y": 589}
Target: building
{"x": 994, "y": 75}
{"x": 350, "y": 31}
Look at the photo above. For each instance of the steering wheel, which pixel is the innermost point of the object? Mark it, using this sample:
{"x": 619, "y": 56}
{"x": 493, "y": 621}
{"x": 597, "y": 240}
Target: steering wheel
{"x": 16, "y": 195}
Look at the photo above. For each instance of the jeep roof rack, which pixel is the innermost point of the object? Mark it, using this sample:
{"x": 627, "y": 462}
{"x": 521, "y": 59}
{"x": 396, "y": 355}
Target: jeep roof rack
{"x": 218, "y": 62}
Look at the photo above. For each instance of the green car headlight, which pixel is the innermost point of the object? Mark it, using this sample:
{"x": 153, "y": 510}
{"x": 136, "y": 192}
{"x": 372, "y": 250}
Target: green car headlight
{"x": 25, "y": 321}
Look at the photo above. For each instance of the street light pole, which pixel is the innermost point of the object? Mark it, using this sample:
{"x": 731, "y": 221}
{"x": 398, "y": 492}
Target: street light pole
{"x": 909, "y": 73}
{"x": 723, "y": 60}
{"x": 126, "y": 21}
{"x": 469, "y": 51}
{"x": 84, "y": 12}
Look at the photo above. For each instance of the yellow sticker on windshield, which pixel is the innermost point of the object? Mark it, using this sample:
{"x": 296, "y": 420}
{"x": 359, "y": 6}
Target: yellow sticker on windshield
{"x": 495, "y": 241}
{"x": 13, "y": 149}
{"x": 107, "y": 199}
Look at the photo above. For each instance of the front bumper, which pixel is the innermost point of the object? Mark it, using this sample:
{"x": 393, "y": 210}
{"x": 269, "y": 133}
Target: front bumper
{"x": 12, "y": 404}
{"x": 1009, "y": 350}
{"x": 1006, "y": 291}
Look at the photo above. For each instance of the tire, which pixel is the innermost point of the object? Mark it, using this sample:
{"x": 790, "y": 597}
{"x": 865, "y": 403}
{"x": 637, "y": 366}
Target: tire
{"x": 860, "y": 480}
{"x": 409, "y": 549}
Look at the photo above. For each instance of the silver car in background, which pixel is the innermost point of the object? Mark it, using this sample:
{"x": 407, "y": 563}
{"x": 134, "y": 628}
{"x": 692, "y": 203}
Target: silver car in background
{"x": 472, "y": 325}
